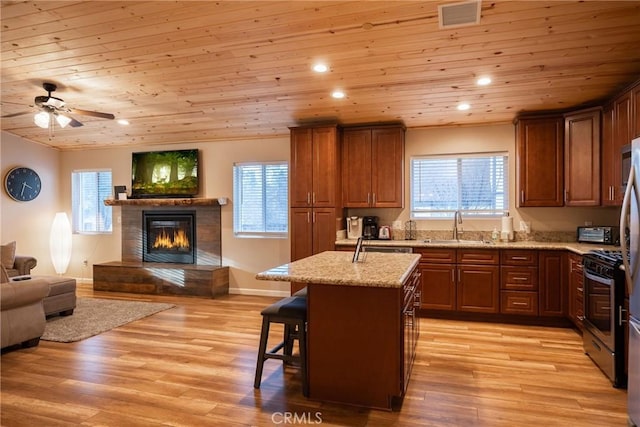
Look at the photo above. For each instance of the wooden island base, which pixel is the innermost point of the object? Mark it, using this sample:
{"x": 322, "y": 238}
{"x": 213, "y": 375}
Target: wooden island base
{"x": 163, "y": 279}
{"x": 355, "y": 342}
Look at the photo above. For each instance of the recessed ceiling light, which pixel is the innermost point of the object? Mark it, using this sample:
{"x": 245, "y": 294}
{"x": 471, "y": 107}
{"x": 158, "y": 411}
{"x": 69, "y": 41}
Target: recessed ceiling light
{"x": 464, "y": 106}
{"x": 338, "y": 94}
{"x": 320, "y": 68}
{"x": 123, "y": 122}
{"x": 483, "y": 81}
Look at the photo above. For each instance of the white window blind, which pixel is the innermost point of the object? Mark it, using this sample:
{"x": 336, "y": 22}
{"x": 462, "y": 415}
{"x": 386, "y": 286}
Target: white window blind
{"x": 260, "y": 203}
{"x": 89, "y": 189}
{"x": 475, "y": 184}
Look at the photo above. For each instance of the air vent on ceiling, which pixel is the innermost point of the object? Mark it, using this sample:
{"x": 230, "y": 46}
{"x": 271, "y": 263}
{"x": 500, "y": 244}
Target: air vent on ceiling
{"x": 459, "y": 14}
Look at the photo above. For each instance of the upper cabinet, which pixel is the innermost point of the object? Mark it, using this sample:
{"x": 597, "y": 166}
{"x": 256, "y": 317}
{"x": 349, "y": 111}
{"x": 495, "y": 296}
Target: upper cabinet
{"x": 635, "y": 122}
{"x": 611, "y": 161}
{"x": 315, "y": 167}
{"x": 582, "y": 158}
{"x": 373, "y": 167}
{"x": 539, "y": 161}
{"x": 621, "y": 123}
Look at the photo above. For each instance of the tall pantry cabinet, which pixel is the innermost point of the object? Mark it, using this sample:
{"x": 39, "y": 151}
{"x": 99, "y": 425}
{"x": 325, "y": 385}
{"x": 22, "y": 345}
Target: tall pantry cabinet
{"x": 314, "y": 188}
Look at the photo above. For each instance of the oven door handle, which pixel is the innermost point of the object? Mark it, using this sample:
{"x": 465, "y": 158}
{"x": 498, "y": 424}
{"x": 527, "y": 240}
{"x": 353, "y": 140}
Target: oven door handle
{"x": 598, "y": 279}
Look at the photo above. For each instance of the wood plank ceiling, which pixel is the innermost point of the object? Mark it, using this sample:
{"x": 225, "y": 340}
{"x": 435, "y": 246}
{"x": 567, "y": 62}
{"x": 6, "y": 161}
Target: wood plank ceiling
{"x": 188, "y": 71}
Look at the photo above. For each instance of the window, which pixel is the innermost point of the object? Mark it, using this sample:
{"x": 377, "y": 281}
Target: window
{"x": 476, "y": 185}
{"x": 260, "y": 204}
{"x": 89, "y": 189}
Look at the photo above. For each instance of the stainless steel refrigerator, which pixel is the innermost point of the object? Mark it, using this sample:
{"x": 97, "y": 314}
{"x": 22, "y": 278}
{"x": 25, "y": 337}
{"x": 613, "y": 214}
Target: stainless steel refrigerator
{"x": 630, "y": 226}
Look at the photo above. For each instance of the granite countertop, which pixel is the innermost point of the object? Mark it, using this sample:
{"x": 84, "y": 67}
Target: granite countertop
{"x": 335, "y": 268}
{"x": 578, "y": 248}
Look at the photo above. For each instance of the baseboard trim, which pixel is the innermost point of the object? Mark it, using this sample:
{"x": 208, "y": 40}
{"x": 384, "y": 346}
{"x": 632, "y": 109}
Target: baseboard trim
{"x": 259, "y": 292}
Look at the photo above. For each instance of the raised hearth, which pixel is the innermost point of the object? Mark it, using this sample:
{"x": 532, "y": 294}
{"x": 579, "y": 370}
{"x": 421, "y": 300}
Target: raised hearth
{"x": 164, "y": 279}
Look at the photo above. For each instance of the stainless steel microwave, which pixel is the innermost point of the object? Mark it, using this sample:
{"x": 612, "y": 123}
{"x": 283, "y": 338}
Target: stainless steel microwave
{"x": 605, "y": 235}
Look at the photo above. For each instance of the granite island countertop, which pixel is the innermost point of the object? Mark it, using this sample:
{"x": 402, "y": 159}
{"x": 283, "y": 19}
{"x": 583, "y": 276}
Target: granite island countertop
{"x": 578, "y": 248}
{"x": 335, "y": 268}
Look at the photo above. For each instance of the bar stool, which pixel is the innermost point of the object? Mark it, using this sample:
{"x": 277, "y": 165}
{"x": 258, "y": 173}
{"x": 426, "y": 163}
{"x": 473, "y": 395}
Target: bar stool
{"x": 292, "y": 313}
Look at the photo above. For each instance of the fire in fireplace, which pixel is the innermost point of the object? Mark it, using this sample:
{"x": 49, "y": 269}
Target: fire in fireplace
{"x": 169, "y": 237}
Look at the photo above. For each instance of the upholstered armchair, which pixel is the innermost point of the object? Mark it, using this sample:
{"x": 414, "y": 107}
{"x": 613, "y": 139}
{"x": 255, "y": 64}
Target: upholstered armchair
{"x": 16, "y": 265}
{"x": 22, "y": 265}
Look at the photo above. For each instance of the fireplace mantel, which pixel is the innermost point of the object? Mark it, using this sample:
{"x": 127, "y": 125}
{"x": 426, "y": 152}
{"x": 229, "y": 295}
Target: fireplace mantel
{"x": 162, "y": 202}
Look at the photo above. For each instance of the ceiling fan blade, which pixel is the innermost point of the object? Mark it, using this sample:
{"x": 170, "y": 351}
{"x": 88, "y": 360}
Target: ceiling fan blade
{"x": 74, "y": 123}
{"x": 16, "y": 114}
{"x": 92, "y": 113}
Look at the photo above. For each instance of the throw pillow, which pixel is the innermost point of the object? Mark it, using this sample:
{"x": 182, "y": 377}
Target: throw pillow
{"x": 4, "y": 277}
{"x": 8, "y": 254}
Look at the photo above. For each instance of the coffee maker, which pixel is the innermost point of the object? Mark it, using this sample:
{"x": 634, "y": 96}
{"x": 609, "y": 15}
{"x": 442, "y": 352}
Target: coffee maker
{"x": 354, "y": 227}
{"x": 370, "y": 227}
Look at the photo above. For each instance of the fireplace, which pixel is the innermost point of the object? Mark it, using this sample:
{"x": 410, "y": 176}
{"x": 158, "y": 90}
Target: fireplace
{"x": 169, "y": 236}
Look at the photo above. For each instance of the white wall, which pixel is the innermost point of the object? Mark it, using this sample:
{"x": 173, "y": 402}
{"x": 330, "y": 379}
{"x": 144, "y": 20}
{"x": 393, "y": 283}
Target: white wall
{"x": 29, "y": 223}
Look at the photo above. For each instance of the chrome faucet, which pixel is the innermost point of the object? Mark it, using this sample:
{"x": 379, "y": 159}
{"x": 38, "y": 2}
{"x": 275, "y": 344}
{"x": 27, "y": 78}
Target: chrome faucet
{"x": 457, "y": 219}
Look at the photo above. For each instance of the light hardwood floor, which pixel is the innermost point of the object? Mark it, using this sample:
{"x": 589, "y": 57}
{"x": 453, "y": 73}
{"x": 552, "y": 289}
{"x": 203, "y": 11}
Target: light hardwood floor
{"x": 194, "y": 365}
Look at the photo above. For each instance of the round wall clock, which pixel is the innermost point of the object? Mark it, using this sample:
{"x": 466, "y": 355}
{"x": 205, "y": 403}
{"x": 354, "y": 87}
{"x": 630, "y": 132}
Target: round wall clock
{"x": 22, "y": 184}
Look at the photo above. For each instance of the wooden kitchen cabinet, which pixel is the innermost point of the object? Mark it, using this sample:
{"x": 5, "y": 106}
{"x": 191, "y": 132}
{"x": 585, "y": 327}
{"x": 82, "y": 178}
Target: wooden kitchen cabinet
{"x": 540, "y": 161}
{"x": 314, "y": 191}
{"x": 611, "y": 161}
{"x": 552, "y": 289}
{"x": 315, "y": 167}
{"x": 620, "y": 124}
{"x": 478, "y": 281}
{"x": 459, "y": 280}
{"x": 519, "y": 282}
{"x": 438, "y": 278}
{"x": 313, "y": 230}
{"x": 373, "y": 167}
{"x": 635, "y": 110}
{"x": 361, "y": 342}
{"x": 576, "y": 290}
{"x": 582, "y": 158}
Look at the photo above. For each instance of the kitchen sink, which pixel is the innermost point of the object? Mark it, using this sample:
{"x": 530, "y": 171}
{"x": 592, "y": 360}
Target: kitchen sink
{"x": 458, "y": 241}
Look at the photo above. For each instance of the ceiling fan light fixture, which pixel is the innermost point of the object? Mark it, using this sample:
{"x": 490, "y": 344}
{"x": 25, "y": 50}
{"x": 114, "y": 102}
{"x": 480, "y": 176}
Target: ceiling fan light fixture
{"x": 63, "y": 121}
{"x": 42, "y": 120}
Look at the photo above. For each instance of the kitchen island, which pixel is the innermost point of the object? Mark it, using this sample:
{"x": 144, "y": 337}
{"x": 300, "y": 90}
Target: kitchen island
{"x": 362, "y": 325}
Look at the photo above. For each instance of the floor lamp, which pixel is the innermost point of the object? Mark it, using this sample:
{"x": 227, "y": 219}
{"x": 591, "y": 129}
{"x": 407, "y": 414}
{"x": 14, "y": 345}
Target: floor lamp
{"x": 60, "y": 242}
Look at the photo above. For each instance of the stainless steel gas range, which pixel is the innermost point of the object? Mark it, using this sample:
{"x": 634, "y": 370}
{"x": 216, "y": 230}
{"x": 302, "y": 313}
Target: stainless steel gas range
{"x": 603, "y": 335}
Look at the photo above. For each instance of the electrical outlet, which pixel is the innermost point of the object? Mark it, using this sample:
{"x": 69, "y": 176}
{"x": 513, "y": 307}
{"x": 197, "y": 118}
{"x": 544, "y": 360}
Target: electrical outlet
{"x": 397, "y": 224}
{"x": 525, "y": 227}
{"x": 85, "y": 263}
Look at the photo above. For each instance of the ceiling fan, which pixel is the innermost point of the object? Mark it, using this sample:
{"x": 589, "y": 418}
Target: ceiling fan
{"x": 55, "y": 109}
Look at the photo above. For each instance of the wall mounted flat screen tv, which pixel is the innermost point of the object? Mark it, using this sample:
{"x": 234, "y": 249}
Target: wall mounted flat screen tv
{"x": 172, "y": 173}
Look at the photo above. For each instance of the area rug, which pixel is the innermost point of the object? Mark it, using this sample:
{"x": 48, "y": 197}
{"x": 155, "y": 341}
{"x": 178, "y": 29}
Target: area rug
{"x": 93, "y": 316}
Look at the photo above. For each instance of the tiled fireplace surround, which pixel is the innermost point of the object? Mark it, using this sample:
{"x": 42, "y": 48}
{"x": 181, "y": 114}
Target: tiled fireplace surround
{"x": 207, "y": 277}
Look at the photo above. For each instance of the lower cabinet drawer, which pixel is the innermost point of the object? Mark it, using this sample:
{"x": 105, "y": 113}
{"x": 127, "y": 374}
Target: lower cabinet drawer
{"x": 519, "y": 302}
{"x": 519, "y": 278}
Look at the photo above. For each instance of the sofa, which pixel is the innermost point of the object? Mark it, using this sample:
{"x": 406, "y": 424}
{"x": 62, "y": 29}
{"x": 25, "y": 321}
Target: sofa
{"x": 16, "y": 265}
{"x": 61, "y": 299}
{"x": 21, "y": 311}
